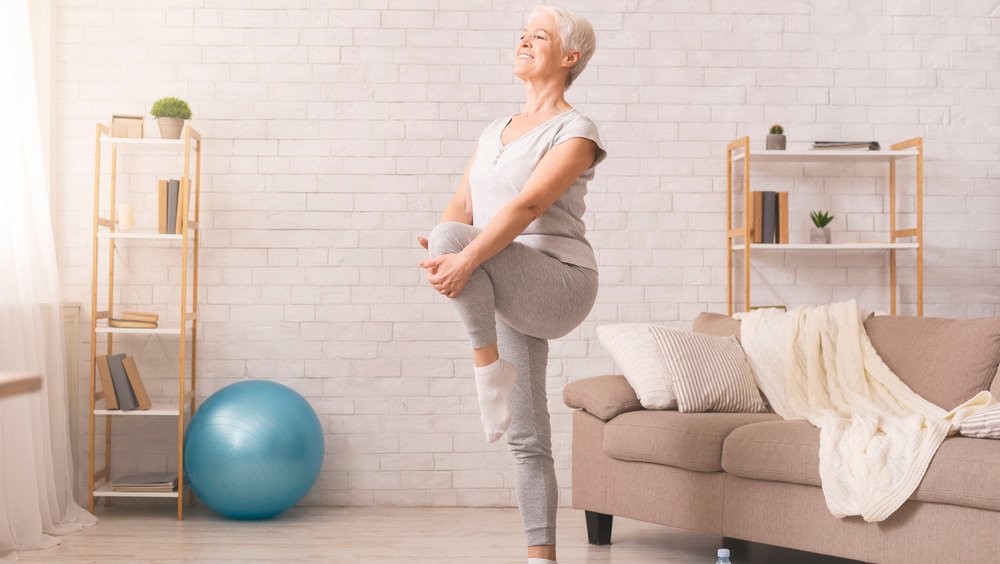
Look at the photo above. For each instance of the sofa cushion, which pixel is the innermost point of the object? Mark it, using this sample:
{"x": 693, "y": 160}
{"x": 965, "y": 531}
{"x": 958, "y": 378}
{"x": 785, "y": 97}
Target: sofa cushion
{"x": 601, "y": 396}
{"x": 716, "y": 324}
{"x": 964, "y": 472}
{"x": 685, "y": 440}
{"x": 995, "y": 388}
{"x": 946, "y": 361}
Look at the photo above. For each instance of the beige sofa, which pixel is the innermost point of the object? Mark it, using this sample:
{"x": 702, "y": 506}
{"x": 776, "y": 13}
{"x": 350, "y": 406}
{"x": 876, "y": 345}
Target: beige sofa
{"x": 755, "y": 477}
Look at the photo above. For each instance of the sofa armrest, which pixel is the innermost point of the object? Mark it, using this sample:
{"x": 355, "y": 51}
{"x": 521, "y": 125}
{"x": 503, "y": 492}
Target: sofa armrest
{"x": 605, "y": 397}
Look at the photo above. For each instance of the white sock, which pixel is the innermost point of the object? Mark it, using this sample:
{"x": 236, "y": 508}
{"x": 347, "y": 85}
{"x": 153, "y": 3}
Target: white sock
{"x": 494, "y": 384}
{"x": 540, "y": 561}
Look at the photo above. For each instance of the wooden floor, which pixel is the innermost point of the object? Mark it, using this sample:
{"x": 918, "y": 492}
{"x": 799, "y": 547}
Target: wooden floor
{"x": 377, "y": 536}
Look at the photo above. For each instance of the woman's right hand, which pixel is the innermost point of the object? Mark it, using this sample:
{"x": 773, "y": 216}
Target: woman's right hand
{"x": 423, "y": 243}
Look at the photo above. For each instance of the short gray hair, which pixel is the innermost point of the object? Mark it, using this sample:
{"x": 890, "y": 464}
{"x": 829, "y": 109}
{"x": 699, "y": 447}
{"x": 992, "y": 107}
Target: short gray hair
{"x": 575, "y": 34}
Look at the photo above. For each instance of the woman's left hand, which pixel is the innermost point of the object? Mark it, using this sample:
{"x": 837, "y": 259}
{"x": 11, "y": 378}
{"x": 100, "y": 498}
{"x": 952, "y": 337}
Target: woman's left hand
{"x": 449, "y": 273}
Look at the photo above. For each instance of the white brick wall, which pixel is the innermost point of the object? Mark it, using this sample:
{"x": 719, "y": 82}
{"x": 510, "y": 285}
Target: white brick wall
{"x": 336, "y": 131}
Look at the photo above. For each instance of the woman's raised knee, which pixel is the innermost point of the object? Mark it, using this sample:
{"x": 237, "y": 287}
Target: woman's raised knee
{"x": 450, "y": 237}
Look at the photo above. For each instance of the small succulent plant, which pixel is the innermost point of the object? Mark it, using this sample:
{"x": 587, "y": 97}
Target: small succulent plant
{"x": 820, "y": 218}
{"x": 777, "y": 130}
{"x": 171, "y": 107}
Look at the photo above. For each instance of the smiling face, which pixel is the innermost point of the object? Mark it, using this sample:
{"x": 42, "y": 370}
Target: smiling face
{"x": 539, "y": 50}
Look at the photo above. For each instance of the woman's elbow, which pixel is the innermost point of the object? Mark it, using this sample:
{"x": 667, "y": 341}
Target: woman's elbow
{"x": 530, "y": 211}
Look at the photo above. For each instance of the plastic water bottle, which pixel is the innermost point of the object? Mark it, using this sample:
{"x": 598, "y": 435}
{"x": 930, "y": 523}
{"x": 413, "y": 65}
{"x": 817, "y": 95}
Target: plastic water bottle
{"x": 723, "y": 556}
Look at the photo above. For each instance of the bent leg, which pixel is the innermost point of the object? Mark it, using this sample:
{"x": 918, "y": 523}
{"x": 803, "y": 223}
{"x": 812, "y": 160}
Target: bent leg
{"x": 475, "y": 303}
{"x": 530, "y": 435}
{"x": 535, "y": 293}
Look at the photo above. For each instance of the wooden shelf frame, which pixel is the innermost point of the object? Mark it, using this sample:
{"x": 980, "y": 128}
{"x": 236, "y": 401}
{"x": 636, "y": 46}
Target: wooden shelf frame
{"x": 99, "y": 481}
{"x": 738, "y": 151}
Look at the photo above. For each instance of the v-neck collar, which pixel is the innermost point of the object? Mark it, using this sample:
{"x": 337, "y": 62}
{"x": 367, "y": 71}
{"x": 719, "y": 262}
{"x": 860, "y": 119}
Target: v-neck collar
{"x": 527, "y": 133}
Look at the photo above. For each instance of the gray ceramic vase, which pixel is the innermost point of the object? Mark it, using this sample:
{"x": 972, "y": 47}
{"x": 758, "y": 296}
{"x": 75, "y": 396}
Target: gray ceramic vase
{"x": 775, "y": 142}
{"x": 819, "y": 235}
{"x": 170, "y": 128}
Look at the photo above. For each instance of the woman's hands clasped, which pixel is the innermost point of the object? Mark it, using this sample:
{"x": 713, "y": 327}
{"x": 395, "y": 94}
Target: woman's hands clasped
{"x": 448, "y": 273}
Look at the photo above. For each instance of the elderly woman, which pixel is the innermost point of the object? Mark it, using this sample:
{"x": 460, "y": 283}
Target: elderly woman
{"x": 510, "y": 252}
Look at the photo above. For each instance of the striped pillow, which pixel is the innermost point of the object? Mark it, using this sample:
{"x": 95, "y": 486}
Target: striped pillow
{"x": 984, "y": 424}
{"x": 709, "y": 373}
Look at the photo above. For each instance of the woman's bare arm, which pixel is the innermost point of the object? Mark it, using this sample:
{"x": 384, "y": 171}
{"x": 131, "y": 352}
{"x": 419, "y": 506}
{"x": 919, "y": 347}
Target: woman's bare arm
{"x": 460, "y": 207}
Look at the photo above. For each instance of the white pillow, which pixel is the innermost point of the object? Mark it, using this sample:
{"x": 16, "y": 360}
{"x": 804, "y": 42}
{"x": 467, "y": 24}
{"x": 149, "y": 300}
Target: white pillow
{"x": 635, "y": 351}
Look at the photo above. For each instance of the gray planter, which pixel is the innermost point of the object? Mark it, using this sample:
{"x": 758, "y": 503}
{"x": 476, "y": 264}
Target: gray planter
{"x": 819, "y": 235}
{"x": 775, "y": 142}
{"x": 170, "y": 128}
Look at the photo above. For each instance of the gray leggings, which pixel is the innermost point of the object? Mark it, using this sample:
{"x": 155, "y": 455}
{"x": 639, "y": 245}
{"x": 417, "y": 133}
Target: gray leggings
{"x": 519, "y": 299}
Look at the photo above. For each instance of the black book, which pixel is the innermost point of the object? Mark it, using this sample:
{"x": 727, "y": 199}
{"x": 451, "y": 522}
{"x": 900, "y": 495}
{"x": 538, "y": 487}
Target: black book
{"x": 119, "y": 378}
{"x": 770, "y": 217}
{"x": 173, "y": 191}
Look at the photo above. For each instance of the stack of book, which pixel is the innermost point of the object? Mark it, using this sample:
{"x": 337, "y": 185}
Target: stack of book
{"x": 870, "y": 145}
{"x": 135, "y": 319}
{"x": 173, "y": 205}
{"x": 770, "y": 217}
{"x": 121, "y": 384}
{"x": 154, "y": 483}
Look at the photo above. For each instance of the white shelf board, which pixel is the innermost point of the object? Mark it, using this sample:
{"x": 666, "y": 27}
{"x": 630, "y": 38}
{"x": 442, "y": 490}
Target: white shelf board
{"x": 827, "y": 246}
{"x": 138, "y": 235}
{"x": 107, "y": 490}
{"x": 825, "y": 155}
{"x": 142, "y": 142}
{"x": 155, "y": 411}
{"x": 139, "y": 330}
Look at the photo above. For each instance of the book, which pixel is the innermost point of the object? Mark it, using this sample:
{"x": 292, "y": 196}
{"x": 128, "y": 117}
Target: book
{"x": 758, "y": 216}
{"x": 158, "y": 482}
{"x": 161, "y": 197}
{"x": 870, "y": 145}
{"x": 783, "y": 218}
{"x": 769, "y": 217}
{"x": 131, "y": 323}
{"x": 136, "y": 382}
{"x": 126, "y": 398}
{"x": 139, "y": 316}
{"x": 107, "y": 387}
{"x": 173, "y": 187}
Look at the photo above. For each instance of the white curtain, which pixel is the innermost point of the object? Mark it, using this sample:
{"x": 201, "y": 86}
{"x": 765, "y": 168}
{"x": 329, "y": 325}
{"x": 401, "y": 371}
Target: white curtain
{"x": 36, "y": 467}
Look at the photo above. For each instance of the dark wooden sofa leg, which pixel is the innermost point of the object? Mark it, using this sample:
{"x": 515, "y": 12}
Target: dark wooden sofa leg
{"x": 599, "y": 528}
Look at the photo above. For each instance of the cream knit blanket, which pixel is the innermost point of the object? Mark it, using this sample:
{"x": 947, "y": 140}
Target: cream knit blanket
{"x": 877, "y": 436}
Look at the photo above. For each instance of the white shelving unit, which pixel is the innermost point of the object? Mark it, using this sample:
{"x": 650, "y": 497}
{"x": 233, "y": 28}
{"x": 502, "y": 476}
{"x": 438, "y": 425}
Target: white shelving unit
{"x": 738, "y": 151}
{"x": 104, "y": 231}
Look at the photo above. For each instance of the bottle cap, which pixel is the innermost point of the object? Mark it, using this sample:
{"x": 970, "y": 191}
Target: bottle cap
{"x": 723, "y": 553}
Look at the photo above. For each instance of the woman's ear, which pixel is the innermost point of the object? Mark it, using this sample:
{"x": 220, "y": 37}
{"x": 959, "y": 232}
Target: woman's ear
{"x": 570, "y": 59}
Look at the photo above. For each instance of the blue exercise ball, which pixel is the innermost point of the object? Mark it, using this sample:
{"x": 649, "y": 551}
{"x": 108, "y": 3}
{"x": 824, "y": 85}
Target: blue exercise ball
{"x": 253, "y": 449}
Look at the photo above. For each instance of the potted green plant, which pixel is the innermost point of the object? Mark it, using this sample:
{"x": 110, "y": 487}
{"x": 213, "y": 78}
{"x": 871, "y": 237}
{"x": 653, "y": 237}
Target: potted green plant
{"x": 170, "y": 114}
{"x": 820, "y": 233}
{"x": 776, "y": 138}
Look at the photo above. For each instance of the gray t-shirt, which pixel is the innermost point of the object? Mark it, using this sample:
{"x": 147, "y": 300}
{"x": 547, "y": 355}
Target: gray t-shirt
{"x": 499, "y": 172}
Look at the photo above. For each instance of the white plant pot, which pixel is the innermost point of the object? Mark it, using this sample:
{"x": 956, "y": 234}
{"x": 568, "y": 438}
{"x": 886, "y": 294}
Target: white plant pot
{"x": 819, "y": 235}
{"x": 170, "y": 128}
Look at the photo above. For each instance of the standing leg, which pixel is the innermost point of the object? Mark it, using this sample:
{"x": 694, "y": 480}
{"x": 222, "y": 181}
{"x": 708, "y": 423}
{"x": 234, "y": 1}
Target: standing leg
{"x": 530, "y": 439}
